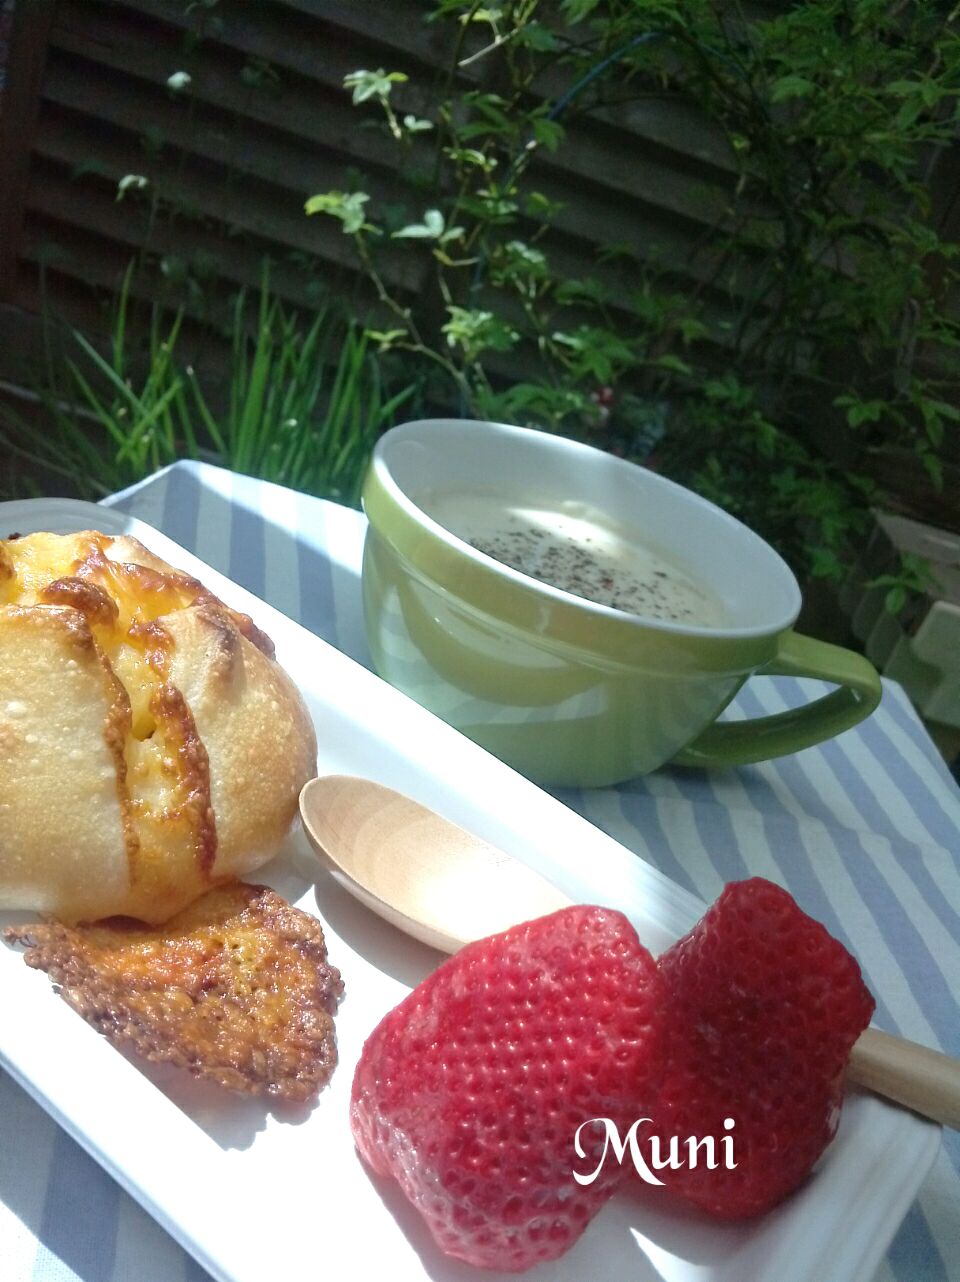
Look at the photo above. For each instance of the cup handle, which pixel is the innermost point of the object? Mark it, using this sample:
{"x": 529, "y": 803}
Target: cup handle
{"x": 738, "y": 743}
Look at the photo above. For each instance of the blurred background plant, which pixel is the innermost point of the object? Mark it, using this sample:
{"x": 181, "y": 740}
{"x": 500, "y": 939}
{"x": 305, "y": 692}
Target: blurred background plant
{"x": 838, "y": 330}
{"x": 303, "y": 403}
{"x": 791, "y": 353}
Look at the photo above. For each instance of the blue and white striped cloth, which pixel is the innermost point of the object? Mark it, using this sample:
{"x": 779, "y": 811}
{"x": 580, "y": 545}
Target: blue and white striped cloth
{"x": 864, "y": 831}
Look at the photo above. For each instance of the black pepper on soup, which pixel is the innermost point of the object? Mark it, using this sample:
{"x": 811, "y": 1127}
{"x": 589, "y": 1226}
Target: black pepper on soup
{"x": 583, "y": 557}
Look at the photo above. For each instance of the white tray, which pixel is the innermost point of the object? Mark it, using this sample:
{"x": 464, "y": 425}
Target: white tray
{"x": 255, "y": 1194}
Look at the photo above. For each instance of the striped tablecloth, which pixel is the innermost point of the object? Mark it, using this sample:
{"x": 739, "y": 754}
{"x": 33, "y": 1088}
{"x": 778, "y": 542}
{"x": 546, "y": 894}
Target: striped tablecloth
{"x": 864, "y": 831}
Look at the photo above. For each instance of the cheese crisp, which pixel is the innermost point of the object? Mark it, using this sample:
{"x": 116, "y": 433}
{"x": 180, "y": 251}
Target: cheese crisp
{"x": 150, "y": 745}
{"x": 236, "y": 989}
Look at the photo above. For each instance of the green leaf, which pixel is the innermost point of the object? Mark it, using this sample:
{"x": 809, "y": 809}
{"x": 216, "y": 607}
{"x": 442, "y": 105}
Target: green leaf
{"x": 727, "y": 388}
{"x": 909, "y": 112}
{"x": 587, "y": 290}
{"x": 520, "y": 252}
{"x": 548, "y": 133}
{"x": 537, "y": 36}
{"x": 825, "y": 564}
{"x": 594, "y": 353}
{"x": 494, "y": 119}
{"x": 691, "y": 328}
{"x": 491, "y": 16}
{"x": 903, "y": 88}
{"x": 943, "y": 409}
{"x": 859, "y": 412}
{"x": 385, "y": 338}
{"x": 414, "y": 125}
{"x": 490, "y": 207}
{"x": 430, "y": 229}
{"x": 135, "y": 182}
{"x": 470, "y": 156}
{"x": 895, "y": 600}
{"x": 475, "y": 331}
{"x": 577, "y": 10}
{"x": 933, "y": 468}
{"x": 347, "y": 206}
{"x": 791, "y": 87}
{"x": 669, "y": 361}
{"x": 372, "y": 84}
{"x": 537, "y": 205}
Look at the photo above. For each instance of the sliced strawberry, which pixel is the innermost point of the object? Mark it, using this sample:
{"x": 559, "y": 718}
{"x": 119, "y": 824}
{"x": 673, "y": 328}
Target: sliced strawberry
{"x": 469, "y": 1093}
{"x": 763, "y": 1007}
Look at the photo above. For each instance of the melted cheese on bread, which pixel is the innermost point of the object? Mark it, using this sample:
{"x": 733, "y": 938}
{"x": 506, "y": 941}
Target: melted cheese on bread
{"x": 150, "y": 746}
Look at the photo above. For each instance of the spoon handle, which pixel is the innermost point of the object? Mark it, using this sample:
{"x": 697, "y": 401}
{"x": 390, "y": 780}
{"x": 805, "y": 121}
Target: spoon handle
{"x": 913, "y": 1075}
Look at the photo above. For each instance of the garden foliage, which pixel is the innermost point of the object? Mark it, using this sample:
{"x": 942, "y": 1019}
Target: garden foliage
{"x": 825, "y": 256}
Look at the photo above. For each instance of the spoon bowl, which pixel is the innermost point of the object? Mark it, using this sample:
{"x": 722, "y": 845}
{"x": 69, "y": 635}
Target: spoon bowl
{"x": 416, "y": 870}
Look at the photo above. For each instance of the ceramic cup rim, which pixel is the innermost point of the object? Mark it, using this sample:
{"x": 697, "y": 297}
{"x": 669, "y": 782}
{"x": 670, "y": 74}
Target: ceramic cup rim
{"x": 583, "y": 454}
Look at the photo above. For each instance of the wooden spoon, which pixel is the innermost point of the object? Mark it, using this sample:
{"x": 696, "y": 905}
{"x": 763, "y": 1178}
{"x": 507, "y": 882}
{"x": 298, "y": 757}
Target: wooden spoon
{"x": 444, "y": 886}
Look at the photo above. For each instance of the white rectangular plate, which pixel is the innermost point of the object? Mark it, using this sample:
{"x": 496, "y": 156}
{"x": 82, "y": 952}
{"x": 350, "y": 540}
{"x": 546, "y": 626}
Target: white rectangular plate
{"x": 255, "y": 1193}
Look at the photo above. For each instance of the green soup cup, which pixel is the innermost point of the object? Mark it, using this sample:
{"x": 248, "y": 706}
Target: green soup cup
{"x": 571, "y": 692}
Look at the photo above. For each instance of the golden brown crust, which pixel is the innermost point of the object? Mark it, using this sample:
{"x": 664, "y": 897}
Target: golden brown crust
{"x": 208, "y": 739}
{"x": 92, "y": 601}
{"x": 193, "y": 763}
{"x": 236, "y": 988}
{"x": 242, "y": 701}
{"x": 128, "y": 556}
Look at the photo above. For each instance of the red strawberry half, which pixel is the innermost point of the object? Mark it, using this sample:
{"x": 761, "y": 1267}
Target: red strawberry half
{"x": 469, "y": 1093}
{"x": 763, "y": 1007}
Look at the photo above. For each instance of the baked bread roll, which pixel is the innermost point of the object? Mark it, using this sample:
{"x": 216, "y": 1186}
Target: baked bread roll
{"x": 150, "y": 745}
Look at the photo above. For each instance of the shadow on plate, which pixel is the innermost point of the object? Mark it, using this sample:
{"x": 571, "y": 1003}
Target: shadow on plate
{"x": 382, "y": 945}
{"x": 231, "y": 1120}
